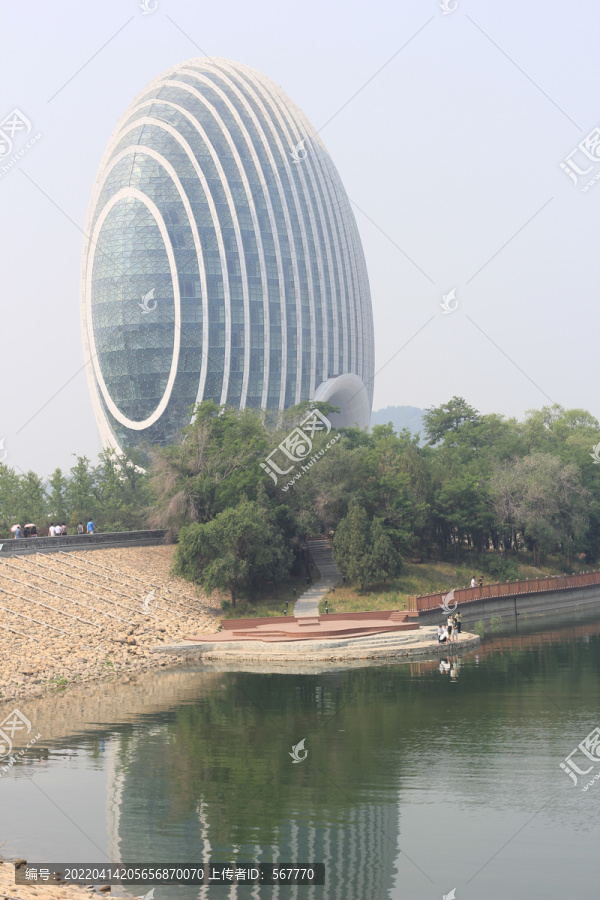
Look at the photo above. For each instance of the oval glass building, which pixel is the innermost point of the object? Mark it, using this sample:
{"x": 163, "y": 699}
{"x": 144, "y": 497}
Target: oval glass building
{"x": 221, "y": 261}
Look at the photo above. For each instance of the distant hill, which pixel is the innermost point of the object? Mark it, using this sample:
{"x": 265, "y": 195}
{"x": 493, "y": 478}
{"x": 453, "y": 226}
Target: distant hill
{"x": 410, "y": 417}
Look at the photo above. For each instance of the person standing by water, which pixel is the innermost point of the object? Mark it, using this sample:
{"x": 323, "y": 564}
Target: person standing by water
{"x": 449, "y": 627}
{"x": 458, "y": 621}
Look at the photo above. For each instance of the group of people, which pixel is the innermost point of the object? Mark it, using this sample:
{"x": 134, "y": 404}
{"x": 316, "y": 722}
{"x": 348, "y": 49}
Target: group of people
{"x": 27, "y": 531}
{"x": 57, "y": 530}
{"x": 53, "y": 531}
{"x": 449, "y": 632}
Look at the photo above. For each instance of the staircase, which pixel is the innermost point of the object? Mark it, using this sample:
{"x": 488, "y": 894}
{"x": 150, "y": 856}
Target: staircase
{"x": 321, "y": 554}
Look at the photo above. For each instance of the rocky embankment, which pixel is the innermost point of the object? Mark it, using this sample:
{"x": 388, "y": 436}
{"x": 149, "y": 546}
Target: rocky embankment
{"x": 75, "y": 617}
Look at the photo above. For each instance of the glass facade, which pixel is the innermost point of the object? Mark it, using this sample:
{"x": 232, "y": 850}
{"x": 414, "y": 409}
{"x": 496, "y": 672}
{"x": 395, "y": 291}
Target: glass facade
{"x": 221, "y": 259}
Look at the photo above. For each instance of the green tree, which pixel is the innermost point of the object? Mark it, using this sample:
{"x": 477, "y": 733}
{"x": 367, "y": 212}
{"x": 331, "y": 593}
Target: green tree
{"x": 110, "y": 491}
{"x": 214, "y": 463}
{"x": 391, "y": 487}
{"x": 236, "y": 551}
{"x": 384, "y": 559}
{"x": 81, "y": 498}
{"x": 57, "y": 496}
{"x": 10, "y": 498}
{"x": 546, "y": 501}
{"x": 441, "y": 420}
{"x": 363, "y": 550}
{"x": 33, "y": 501}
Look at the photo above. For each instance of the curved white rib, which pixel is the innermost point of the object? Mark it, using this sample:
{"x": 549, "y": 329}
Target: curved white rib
{"x": 354, "y": 321}
{"x": 327, "y": 221}
{"x": 148, "y": 151}
{"x": 271, "y": 214}
{"x": 320, "y": 162}
{"x": 309, "y": 204}
{"x": 257, "y": 233}
{"x": 166, "y": 126}
{"x": 355, "y": 352}
{"x": 365, "y": 314}
{"x": 272, "y": 222}
{"x": 296, "y": 277}
{"x": 275, "y": 105}
{"x": 301, "y": 225}
{"x": 156, "y": 214}
{"x": 347, "y": 218}
{"x": 234, "y": 222}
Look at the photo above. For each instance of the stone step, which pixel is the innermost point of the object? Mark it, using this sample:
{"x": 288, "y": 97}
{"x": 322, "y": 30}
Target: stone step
{"x": 329, "y": 644}
{"x": 308, "y": 603}
{"x": 326, "y": 651}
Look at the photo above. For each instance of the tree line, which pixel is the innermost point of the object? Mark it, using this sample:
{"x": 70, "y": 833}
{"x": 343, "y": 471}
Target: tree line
{"x": 482, "y": 485}
{"x": 114, "y": 493}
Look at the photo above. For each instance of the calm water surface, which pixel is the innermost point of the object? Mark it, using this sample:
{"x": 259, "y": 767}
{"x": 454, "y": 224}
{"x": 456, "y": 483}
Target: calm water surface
{"x": 417, "y": 780}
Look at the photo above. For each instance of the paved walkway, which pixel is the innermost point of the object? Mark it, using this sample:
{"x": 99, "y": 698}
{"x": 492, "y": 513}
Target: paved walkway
{"x": 322, "y": 556}
{"x": 302, "y": 628}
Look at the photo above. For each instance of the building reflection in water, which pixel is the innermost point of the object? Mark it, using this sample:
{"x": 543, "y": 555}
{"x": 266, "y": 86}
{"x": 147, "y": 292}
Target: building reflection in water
{"x": 358, "y": 845}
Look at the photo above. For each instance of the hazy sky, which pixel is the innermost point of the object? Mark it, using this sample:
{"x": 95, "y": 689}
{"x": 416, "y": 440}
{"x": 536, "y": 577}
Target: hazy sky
{"x": 450, "y": 153}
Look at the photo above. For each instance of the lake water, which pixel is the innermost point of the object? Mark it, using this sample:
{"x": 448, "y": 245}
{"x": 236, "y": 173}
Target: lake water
{"x": 417, "y": 780}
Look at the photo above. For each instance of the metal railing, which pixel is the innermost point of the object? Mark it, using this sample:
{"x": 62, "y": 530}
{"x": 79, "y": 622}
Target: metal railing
{"x": 15, "y": 546}
{"x": 422, "y": 602}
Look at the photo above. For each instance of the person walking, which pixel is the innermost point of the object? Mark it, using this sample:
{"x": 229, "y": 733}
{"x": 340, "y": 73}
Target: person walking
{"x": 473, "y": 583}
{"x": 51, "y": 531}
{"x": 80, "y": 528}
{"x": 90, "y": 527}
{"x": 63, "y": 529}
{"x": 480, "y": 581}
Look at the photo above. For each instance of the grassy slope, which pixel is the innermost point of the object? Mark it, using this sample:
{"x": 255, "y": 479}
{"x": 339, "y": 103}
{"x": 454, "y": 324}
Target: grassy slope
{"x": 419, "y": 578}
